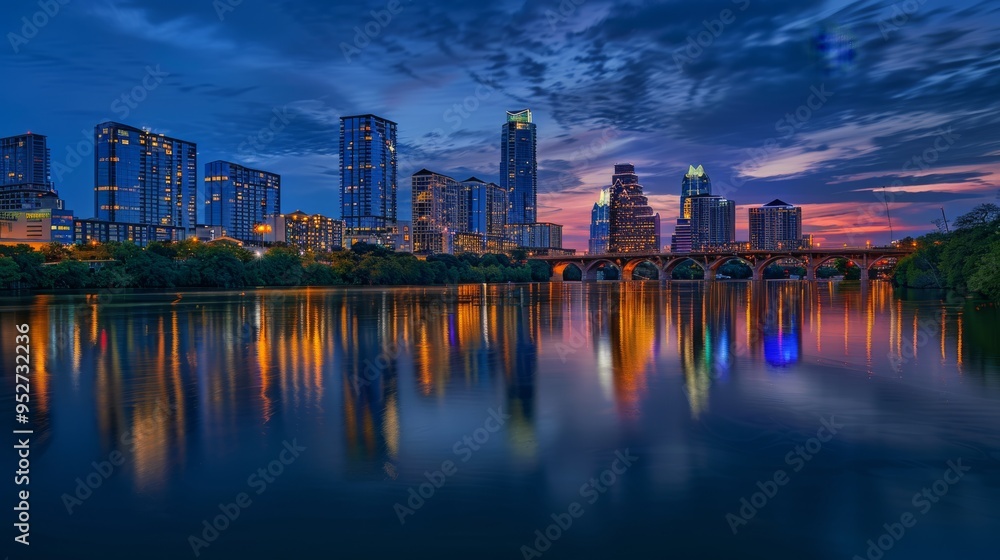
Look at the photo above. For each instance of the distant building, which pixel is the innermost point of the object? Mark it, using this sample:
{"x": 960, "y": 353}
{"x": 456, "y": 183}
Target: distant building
{"x": 438, "y": 206}
{"x": 519, "y": 167}
{"x": 487, "y": 213}
{"x": 713, "y": 222}
{"x": 25, "y": 178}
{"x": 240, "y": 200}
{"x": 402, "y": 236}
{"x": 633, "y": 226}
{"x": 368, "y": 177}
{"x": 707, "y": 222}
{"x": 776, "y": 225}
{"x": 103, "y": 231}
{"x": 312, "y": 232}
{"x": 36, "y": 227}
{"x": 539, "y": 235}
{"x": 142, "y": 178}
{"x": 600, "y": 224}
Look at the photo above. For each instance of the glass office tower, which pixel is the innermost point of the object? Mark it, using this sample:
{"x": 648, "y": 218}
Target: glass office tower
{"x": 144, "y": 178}
{"x": 600, "y": 222}
{"x": 25, "y": 181}
{"x": 242, "y": 201}
{"x": 519, "y": 167}
{"x": 368, "y": 176}
{"x": 634, "y": 227}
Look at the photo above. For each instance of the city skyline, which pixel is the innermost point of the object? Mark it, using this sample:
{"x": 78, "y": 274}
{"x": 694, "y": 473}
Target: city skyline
{"x": 275, "y": 117}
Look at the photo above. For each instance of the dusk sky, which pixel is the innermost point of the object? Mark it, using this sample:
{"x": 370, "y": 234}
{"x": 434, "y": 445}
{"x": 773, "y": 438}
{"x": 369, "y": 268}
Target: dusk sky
{"x": 906, "y": 95}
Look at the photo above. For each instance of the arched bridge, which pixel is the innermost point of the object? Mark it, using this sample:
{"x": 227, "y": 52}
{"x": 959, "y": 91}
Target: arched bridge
{"x": 710, "y": 262}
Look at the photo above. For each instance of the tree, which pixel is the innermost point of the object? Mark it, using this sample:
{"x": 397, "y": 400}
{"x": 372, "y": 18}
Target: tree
{"x": 985, "y": 215}
{"x": 281, "y": 266}
{"x": 986, "y": 280}
{"x": 55, "y": 252}
{"x": 9, "y": 272}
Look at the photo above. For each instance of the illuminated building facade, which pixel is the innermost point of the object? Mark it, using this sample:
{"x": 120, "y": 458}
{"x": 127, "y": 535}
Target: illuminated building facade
{"x": 438, "y": 207}
{"x": 776, "y": 225}
{"x": 600, "y": 223}
{"x": 633, "y": 226}
{"x": 144, "y": 178}
{"x": 36, "y": 227}
{"x": 519, "y": 167}
{"x": 713, "y": 222}
{"x": 487, "y": 213}
{"x": 25, "y": 178}
{"x": 368, "y": 177}
{"x": 240, "y": 200}
{"x": 312, "y": 232}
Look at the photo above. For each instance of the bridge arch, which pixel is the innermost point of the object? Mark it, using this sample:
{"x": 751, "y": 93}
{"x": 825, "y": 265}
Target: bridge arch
{"x": 758, "y": 269}
{"x": 591, "y": 269}
{"x": 559, "y": 269}
{"x": 714, "y": 266}
{"x": 668, "y": 269}
{"x": 632, "y": 264}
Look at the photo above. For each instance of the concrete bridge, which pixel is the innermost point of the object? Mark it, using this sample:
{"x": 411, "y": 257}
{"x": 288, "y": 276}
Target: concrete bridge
{"x": 710, "y": 262}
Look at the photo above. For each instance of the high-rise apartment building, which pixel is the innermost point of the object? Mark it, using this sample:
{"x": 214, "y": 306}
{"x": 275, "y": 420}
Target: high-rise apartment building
{"x": 519, "y": 167}
{"x": 600, "y": 224}
{"x": 633, "y": 226}
{"x": 240, "y": 200}
{"x": 713, "y": 222}
{"x": 438, "y": 207}
{"x": 776, "y": 225}
{"x": 487, "y": 213}
{"x": 368, "y": 176}
{"x": 144, "y": 178}
{"x": 25, "y": 179}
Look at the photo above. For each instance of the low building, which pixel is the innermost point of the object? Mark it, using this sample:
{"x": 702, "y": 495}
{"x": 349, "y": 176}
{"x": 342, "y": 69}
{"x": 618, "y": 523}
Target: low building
{"x": 102, "y": 231}
{"x": 36, "y": 227}
{"x": 313, "y": 232}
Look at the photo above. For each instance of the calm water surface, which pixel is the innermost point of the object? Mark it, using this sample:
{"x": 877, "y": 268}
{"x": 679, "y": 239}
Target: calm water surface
{"x": 504, "y": 405}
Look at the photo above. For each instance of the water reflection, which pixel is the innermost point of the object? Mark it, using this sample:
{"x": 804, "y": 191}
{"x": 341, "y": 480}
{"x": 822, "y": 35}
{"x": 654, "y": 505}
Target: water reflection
{"x": 182, "y": 375}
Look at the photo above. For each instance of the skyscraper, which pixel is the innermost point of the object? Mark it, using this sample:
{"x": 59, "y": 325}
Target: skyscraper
{"x": 713, "y": 221}
{"x": 600, "y": 222}
{"x": 438, "y": 207}
{"x": 775, "y": 225}
{"x": 695, "y": 182}
{"x": 240, "y": 200}
{"x": 519, "y": 167}
{"x": 144, "y": 178}
{"x": 487, "y": 212}
{"x": 633, "y": 226}
{"x": 368, "y": 176}
{"x": 25, "y": 182}
{"x": 706, "y": 221}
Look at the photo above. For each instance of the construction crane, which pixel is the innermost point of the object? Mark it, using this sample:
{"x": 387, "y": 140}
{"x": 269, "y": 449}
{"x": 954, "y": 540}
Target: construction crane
{"x": 942, "y": 223}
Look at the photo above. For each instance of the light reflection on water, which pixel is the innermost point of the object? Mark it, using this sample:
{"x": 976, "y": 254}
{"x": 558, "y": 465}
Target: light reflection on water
{"x": 710, "y": 384}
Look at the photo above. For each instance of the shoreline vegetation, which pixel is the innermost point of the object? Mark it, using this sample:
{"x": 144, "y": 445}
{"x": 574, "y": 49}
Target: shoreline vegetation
{"x": 190, "y": 264}
{"x": 965, "y": 260}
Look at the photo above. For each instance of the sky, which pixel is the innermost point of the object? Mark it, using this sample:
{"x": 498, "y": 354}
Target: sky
{"x": 840, "y": 107}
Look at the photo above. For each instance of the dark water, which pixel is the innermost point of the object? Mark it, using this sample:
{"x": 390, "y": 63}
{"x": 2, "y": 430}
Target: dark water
{"x": 504, "y": 406}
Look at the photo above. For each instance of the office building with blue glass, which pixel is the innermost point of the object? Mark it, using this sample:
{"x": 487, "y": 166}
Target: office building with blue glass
{"x": 519, "y": 167}
{"x": 142, "y": 179}
{"x": 368, "y": 177}
{"x": 241, "y": 201}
